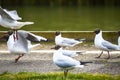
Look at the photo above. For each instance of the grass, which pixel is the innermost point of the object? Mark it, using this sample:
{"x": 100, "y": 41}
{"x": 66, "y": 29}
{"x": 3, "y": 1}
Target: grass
{"x": 56, "y": 76}
{"x": 88, "y": 36}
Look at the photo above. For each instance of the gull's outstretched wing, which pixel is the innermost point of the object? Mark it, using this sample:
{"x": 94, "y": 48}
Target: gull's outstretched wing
{"x": 13, "y": 14}
{"x": 5, "y": 15}
{"x": 31, "y": 37}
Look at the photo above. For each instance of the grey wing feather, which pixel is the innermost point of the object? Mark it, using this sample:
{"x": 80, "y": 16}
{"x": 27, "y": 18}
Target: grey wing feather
{"x": 35, "y": 38}
{"x": 31, "y": 37}
{"x": 13, "y": 14}
{"x": 66, "y": 41}
{"x": 109, "y": 45}
{"x": 5, "y": 15}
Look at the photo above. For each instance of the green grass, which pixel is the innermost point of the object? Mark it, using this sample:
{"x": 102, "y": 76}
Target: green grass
{"x": 89, "y": 36}
{"x": 56, "y": 76}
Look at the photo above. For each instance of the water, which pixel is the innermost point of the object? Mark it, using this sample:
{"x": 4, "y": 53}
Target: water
{"x": 69, "y": 18}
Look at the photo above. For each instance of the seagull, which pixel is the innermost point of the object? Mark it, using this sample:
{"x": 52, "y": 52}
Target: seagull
{"x": 23, "y": 44}
{"x": 103, "y": 44}
{"x": 9, "y": 19}
{"x": 65, "y": 62}
{"x": 65, "y": 42}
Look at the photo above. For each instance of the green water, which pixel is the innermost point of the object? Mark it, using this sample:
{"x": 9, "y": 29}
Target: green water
{"x": 69, "y": 18}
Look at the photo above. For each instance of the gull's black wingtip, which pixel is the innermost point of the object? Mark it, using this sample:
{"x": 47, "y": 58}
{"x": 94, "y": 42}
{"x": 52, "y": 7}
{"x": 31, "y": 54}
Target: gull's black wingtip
{"x": 85, "y": 62}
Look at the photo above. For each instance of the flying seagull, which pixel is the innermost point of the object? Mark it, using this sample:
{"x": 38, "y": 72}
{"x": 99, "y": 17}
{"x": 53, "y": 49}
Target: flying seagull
{"x": 9, "y": 19}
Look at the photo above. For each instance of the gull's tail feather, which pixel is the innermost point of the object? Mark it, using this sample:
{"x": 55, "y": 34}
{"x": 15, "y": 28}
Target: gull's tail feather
{"x": 78, "y": 42}
{"x": 81, "y": 40}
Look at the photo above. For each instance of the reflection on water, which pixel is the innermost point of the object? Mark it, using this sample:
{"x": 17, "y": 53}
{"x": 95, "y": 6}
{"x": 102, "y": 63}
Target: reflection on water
{"x": 69, "y": 18}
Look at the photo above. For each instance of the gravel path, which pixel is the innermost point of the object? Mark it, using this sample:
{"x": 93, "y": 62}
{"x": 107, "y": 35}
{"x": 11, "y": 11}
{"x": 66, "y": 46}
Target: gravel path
{"x": 42, "y": 62}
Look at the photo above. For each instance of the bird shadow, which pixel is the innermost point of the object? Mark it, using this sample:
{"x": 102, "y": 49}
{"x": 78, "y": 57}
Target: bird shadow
{"x": 112, "y": 57}
{"x": 116, "y": 57}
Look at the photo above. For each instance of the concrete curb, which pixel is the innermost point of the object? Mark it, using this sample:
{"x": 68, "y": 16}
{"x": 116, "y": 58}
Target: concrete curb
{"x": 51, "y": 51}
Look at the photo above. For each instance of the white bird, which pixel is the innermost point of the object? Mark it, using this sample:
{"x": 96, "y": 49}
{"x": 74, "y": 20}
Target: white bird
{"x": 103, "y": 44}
{"x": 23, "y": 44}
{"x": 65, "y": 42}
{"x": 8, "y": 19}
{"x": 64, "y": 62}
